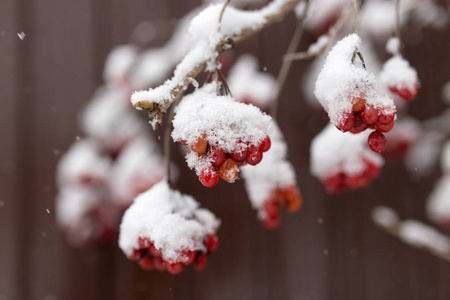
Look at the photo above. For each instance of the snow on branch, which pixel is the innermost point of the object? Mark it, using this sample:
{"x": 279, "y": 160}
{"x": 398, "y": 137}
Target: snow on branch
{"x": 412, "y": 232}
{"x": 236, "y": 26}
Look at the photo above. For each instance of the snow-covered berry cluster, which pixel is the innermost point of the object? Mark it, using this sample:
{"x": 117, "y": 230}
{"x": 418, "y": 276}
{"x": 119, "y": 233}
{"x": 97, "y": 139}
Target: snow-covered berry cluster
{"x": 221, "y": 133}
{"x": 101, "y": 173}
{"x": 349, "y": 93}
{"x": 166, "y": 230}
{"x": 397, "y": 75}
{"x": 342, "y": 161}
{"x": 272, "y": 184}
{"x": 249, "y": 85}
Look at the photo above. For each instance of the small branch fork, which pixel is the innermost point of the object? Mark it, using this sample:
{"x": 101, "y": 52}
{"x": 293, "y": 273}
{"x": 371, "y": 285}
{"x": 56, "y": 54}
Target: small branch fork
{"x": 158, "y": 111}
{"x": 332, "y": 33}
{"x": 286, "y": 65}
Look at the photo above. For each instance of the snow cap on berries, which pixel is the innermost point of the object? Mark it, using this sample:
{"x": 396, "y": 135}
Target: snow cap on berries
{"x": 343, "y": 77}
{"x": 171, "y": 220}
{"x": 248, "y": 83}
{"x": 333, "y": 151}
{"x": 118, "y": 63}
{"x": 397, "y": 73}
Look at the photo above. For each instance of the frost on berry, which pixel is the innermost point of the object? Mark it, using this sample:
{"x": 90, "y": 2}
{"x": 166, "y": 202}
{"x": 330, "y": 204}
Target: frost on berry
{"x": 272, "y": 184}
{"x": 400, "y": 78}
{"x": 138, "y": 167}
{"x": 342, "y": 160}
{"x": 167, "y": 227}
{"x": 249, "y": 85}
{"x": 220, "y": 133}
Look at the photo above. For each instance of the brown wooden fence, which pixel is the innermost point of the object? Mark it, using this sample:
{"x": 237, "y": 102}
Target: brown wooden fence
{"x": 46, "y": 78}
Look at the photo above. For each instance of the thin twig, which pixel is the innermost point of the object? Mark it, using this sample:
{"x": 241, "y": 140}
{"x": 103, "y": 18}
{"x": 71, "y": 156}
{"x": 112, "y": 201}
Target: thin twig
{"x": 286, "y": 65}
{"x": 225, "y": 83}
{"x": 355, "y": 9}
{"x": 222, "y": 12}
{"x": 397, "y": 20}
{"x": 158, "y": 110}
{"x": 332, "y": 33}
{"x": 167, "y": 141}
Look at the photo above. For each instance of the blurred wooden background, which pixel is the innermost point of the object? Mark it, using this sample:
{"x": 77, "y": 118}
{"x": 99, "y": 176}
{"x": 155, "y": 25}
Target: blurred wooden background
{"x": 328, "y": 250}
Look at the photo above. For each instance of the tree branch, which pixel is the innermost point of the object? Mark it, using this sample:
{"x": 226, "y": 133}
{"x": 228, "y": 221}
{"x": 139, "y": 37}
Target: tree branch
{"x": 157, "y": 110}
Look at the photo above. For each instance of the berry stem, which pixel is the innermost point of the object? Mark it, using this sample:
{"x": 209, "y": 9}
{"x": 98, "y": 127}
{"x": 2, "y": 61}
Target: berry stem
{"x": 355, "y": 9}
{"x": 167, "y": 141}
{"x": 397, "y": 20}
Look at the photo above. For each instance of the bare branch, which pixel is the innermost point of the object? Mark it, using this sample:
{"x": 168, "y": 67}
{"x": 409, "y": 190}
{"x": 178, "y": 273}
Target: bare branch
{"x": 158, "y": 110}
{"x": 331, "y": 36}
{"x": 413, "y": 233}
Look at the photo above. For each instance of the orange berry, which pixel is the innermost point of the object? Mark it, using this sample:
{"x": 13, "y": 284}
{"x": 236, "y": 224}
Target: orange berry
{"x": 359, "y": 103}
{"x": 200, "y": 145}
{"x": 293, "y": 198}
{"x": 229, "y": 170}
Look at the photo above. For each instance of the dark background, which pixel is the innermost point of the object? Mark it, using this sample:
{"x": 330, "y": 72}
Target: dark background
{"x": 328, "y": 250}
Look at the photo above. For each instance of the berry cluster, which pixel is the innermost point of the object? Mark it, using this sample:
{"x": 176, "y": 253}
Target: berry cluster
{"x": 340, "y": 181}
{"x": 226, "y": 165}
{"x": 365, "y": 116}
{"x": 149, "y": 257}
{"x": 289, "y": 197}
{"x": 405, "y": 92}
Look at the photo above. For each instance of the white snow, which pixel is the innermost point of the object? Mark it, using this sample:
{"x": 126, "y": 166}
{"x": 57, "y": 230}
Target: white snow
{"x": 333, "y": 151}
{"x": 138, "y": 167}
{"x": 118, "y": 63}
{"x": 273, "y": 172}
{"x": 422, "y": 156}
{"x": 393, "y": 46}
{"x": 340, "y": 79}
{"x": 420, "y": 235}
{"x": 321, "y": 12}
{"x": 384, "y": 216}
{"x": 171, "y": 220}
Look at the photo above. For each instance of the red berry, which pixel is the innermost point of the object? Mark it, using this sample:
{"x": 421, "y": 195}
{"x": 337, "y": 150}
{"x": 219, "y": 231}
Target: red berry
{"x": 211, "y": 243}
{"x": 384, "y": 128}
{"x": 369, "y": 114}
{"x": 271, "y": 207}
{"x": 265, "y": 144}
{"x": 146, "y": 263}
{"x": 293, "y": 198}
{"x": 359, "y": 126}
{"x": 159, "y": 263}
{"x": 240, "y": 154}
{"x": 377, "y": 141}
{"x": 155, "y": 252}
{"x": 136, "y": 254}
{"x": 405, "y": 93}
{"x": 272, "y": 221}
{"x": 347, "y": 122}
{"x": 356, "y": 181}
{"x": 175, "y": 268}
{"x": 229, "y": 170}
{"x": 187, "y": 256}
{"x": 200, "y": 262}
{"x": 144, "y": 242}
{"x": 200, "y": 144}
{"x": 335, "y": 183}
{"x": 386, "y": 118}
{"x": 372, "y": 170}
{"x": 254, "y": 155}
{"x": 209, "y": 177}
{"x": 216, "y": 155}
